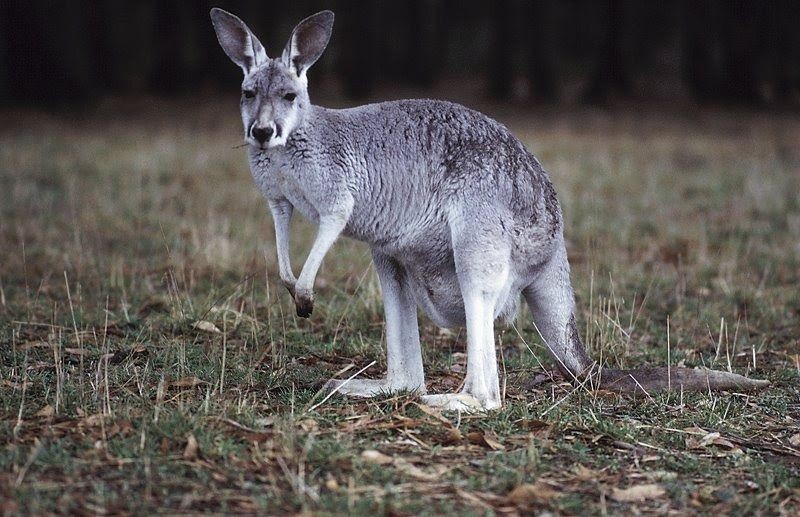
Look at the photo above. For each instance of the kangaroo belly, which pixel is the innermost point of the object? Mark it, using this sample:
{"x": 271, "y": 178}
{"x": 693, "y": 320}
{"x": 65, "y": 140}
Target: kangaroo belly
{"x": 437, "y": 291}
{"x": 438, "y": 294}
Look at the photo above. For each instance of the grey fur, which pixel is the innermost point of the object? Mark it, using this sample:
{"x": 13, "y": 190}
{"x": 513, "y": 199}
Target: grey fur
{"x": 461, "y": 219}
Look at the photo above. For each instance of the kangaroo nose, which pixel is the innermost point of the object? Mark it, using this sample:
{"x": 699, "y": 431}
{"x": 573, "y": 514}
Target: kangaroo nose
{"x": 262, "y": 134}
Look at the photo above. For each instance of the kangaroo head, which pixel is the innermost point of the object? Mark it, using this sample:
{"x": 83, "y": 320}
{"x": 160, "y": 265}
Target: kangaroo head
{"x": 274, "y": 91}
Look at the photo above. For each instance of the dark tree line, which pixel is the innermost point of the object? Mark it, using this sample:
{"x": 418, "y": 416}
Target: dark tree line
{"x": 745, "y": 51}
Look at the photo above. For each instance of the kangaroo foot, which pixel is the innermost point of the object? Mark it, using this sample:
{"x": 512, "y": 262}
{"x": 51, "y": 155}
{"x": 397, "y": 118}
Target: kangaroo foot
{"x": 463, "y": 402}
{"x": 371, "y": 387}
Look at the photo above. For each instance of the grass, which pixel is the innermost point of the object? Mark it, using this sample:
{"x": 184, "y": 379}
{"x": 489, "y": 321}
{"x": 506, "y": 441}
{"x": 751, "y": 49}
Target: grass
{"x": 124, "y": 226}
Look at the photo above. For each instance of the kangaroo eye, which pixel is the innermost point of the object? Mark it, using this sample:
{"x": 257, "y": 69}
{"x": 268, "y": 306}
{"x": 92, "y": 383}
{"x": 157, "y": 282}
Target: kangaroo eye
{"x": 248, "y": 94}
{"x": 289, "y": 97}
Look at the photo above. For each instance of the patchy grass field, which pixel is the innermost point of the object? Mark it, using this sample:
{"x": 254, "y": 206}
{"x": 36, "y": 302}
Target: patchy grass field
{"x": 150, "y": 360}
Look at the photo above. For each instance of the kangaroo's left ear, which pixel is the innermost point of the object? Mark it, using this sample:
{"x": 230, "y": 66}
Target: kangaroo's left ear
{"x": 307, "y": 42}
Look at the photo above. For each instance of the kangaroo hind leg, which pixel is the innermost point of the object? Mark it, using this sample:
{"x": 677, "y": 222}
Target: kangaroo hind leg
{"x": 482, "y": 261}
{"x": 403, "y": 353}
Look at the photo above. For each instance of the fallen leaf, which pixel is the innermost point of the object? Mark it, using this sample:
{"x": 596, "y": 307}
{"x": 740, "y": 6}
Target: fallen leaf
{"x": 331, "y": 483}
{"x": 537, "y": 428}
{"x": 46, "y": 411}
{"x": 76, "y": 351}
{"x": 308, "y": 425}
{"x": 435, "y": 414}
{"x": 695, "y": 430}
{"x": 186, "y": 382}
{"x": 486, "y": 439}
{"x": 191, "y": 450}
{"x": 538, "y": 379}
{"x": 265, "y": 421}
{"x": 376, "y": 457}
{"x": 93, "y": 420}
{"x": 586, "y": 474}
{"x": 413, "y": 471}
{"x": 534, "y": 424}
{"x": 695, "y": 442}
{"x": 122, "y": 355}
{"x": 795, "y": 440}
{"x": 33, "y": 344}
{"x": 527, "y": 494}
{"x": 206, "y": 326}
{"x": 452, "y": 436}
{"x": 164, "y": 447}
{"x": 14, "y": 385}
{"x": 637, "y": 493}
{"x": 153, "y": 305}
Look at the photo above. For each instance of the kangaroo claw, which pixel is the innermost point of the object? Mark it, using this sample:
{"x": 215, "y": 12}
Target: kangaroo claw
{"x": 304, "y": 304}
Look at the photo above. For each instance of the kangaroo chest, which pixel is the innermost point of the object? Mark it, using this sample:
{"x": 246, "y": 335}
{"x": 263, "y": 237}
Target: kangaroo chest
{"x": 294, "y": 192}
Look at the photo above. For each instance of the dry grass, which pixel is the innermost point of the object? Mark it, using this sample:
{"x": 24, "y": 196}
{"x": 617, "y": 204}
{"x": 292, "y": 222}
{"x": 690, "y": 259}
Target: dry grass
{"x": 123, "y": 227}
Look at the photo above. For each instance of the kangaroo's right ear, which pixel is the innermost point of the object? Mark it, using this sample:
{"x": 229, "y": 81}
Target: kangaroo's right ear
{"x": 237, "y": 40}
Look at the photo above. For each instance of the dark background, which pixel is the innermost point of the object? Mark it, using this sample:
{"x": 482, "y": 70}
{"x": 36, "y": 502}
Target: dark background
{"x": 547, "y": 51}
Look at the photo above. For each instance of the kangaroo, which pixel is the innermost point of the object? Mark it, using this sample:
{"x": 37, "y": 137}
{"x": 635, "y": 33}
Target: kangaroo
{"x": 460, "y": 217}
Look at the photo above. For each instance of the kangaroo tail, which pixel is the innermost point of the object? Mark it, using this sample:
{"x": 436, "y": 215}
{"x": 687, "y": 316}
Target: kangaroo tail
{"x": 653, "y": 380}
{"x": 552, "y": 304}
{"x": 581, "y": 370}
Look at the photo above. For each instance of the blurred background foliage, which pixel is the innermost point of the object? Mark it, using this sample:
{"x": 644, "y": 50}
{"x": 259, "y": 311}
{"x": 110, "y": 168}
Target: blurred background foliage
{"x": 544, "y": 51}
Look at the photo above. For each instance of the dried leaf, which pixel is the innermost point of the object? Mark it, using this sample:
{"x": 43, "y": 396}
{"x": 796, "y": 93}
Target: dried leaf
{"x": 695, "y": 442}
{"x": 206, "y": 326}
{"x": 331, "y": 483}
{"x": 14, "y": 385}
{"x": 534, "y": 424}
{"x": 637, "y": 493}
{"x": 537, "y": 428}
{"x": 76, "y": 351}
{"x": 192, "y": 449}
{"x": 164, "y": 446}
{"x": 538, "y": 379}
{"x": 93, "y": 420}
{"x": 527, "y": 494}
{"x": 122, "y": 355}
{"x": 33, "y": 344}
{"x": 376, "y": 457}
{"x": 265, "y": 421}
{"x": 586, "y": 474}
{"x": 695, "y": 430}
{"x": 453, "y": 436}
{"x": 486, "y": 439}
{"x": 186, "y": 382}
{"x": 308, "y": 425}
{"x": 413, "y": 471}
{"x": 435, "y": 414}
{"x": 46, "y": 411}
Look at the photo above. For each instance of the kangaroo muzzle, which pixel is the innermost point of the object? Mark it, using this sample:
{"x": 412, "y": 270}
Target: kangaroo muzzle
{"x": 262, "y": 134}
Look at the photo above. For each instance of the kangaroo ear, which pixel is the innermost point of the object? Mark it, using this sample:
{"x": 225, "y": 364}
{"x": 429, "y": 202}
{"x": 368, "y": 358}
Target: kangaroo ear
{"x": 237, "y": 40}
{"x": 307, "y": 42}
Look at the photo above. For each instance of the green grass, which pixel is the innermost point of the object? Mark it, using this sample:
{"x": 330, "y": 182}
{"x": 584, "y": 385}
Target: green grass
{"x": 122, "y": 227}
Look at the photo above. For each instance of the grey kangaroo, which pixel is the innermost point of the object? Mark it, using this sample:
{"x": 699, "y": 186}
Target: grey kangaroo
{"x": 460, "y": 217}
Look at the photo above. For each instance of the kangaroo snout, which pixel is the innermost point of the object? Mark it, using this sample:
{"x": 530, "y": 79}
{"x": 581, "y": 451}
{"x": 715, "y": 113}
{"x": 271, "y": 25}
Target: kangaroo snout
{"x": 262, "y": 134}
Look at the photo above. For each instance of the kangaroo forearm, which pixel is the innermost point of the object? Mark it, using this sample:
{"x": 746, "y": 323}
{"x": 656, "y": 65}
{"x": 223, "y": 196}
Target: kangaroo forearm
{"x": 329, "y": 230}
{"x": 282, "y": 216}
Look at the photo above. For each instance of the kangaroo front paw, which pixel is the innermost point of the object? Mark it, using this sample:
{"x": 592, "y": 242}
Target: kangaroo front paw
{"x": 304, "y": 303}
